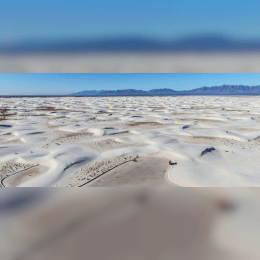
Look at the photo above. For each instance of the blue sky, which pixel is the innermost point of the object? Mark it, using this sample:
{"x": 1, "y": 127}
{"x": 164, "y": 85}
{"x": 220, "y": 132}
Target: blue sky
{"x": 165, "y": 19}
{"x": 64, "y": 83}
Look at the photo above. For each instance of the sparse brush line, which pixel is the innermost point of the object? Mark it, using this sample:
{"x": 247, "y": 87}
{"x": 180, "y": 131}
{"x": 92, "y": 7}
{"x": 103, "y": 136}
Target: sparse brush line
{"x": 17, "y": 173}
{"x": 132, "y": 159}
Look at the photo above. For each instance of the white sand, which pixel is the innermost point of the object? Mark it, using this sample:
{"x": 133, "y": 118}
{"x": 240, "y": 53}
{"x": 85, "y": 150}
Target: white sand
{"x": 222, "y": 62}
{"x": 130, "y": 223}
{"x": 76, "y": 138}
{"x": 143, "y": 172}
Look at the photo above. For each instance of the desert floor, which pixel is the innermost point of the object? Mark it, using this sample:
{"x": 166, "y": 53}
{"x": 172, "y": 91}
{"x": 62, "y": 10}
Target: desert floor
{"x": 113, "y": 62}
{"x": 190, "y": 141}
{"x": 129, "y": 223}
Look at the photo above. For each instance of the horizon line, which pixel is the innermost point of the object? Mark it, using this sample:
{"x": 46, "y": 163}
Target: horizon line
{"x": 203, "y": 42}
{"x": 177, "y": 92}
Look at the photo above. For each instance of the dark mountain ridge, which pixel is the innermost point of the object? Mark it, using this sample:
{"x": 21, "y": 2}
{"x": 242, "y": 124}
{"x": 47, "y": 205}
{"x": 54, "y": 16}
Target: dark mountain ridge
{"x": 199, "y": 43}
{"x": 215, "y": 90}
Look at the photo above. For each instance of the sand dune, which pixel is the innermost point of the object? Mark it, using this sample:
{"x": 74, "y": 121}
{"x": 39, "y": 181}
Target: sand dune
{"x": 212, "y": 140}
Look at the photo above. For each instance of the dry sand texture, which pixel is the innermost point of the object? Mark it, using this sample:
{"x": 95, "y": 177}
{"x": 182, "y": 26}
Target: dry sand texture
{"x": 129, "y": 223}
{"x": 81, "y": 141}
{"x": 224, "y": 62}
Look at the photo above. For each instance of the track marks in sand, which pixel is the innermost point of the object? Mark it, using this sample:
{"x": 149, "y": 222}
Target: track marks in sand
{"x": 9, "y": 142}
{"x": 145, "y": 124}
{"x": 93, "y": 170}
{"x": 106, "y": 144}
{"x": 10, "y": 168}
{"x": 143, "y": 172}
{"x": 204, "y": 120}
{"x": 69, "y": 138}
{"x": 6, "y": 114}
{"x": 23, "y": 176}
{"x": 225, "y": 142}
{"x": 110, "y": 144}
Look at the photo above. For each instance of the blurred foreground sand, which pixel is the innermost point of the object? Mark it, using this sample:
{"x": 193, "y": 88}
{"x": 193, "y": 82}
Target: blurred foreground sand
{"x": 129, "y": 223}
{"x": 243, "y": 62}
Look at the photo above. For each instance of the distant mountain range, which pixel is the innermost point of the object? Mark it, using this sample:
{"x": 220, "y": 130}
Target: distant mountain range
{"x": 216, "y": 90}
{"x": 201, "y": 43}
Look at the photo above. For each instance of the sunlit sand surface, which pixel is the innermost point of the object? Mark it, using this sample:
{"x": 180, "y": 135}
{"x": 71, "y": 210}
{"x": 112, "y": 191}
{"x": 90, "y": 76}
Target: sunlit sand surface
{"x": 144, "y": 172}
{"x": 18, "y": 178}
{"x": 197, "y": 141}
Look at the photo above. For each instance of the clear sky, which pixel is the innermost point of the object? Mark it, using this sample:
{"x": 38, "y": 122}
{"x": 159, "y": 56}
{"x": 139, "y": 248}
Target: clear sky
{"x": 101, "y": 18}
{"x": 65, "y": 83}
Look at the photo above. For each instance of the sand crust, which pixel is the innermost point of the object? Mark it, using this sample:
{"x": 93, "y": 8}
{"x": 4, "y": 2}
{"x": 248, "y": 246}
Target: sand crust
{"x": 143, "y": 172}
{"x": 24, "y": 175}
{"x": 88, "y": 173}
